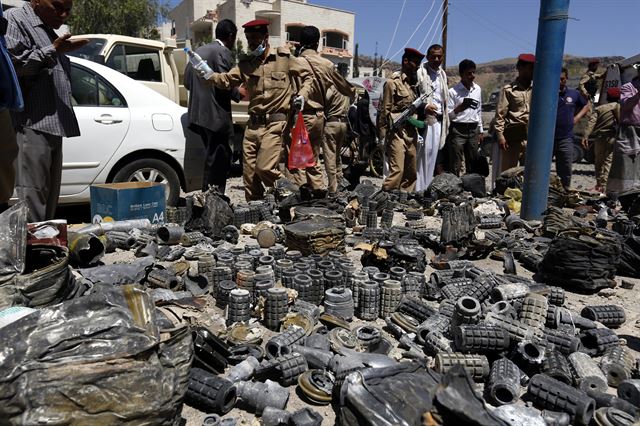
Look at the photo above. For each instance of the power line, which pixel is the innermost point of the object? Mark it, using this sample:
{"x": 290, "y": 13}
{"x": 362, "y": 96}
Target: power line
{"x": 520, "y": 43}
{"x": 393, "y": 38}
{"x": 421, "y": 22}
{"x": 412, "y": 34}
{"x": 444, "y": 27}
{"x": 437, "y": 24}
{"x": 500, "y": 27}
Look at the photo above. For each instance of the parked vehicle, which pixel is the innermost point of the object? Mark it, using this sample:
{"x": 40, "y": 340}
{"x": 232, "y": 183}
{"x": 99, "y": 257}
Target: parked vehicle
{"x": 619, "y": 73}
{"x": 616, "y": 75}
{"x": 158, "y": 65}
{"x": 490, "y": 105}
{"x": 129, "y": 133}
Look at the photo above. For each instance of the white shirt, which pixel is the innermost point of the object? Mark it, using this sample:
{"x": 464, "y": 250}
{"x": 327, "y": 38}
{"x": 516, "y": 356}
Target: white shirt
{"x": 470, "y": 115}
{"x": 437, "y": 97}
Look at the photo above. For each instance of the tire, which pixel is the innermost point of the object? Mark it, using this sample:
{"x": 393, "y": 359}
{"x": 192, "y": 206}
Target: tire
{"x": 145, "y": 168}
{"x": 376, "y": 161}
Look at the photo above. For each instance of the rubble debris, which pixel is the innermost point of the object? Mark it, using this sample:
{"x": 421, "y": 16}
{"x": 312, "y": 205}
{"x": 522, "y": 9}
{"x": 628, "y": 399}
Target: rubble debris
{"x": 377, "y": 303}
{"x": 61, "y": 354}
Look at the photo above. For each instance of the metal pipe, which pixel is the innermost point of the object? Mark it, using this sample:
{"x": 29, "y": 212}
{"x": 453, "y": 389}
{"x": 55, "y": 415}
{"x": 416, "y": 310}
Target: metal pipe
{"x": 120, "y": 225}
{"x": 86, "y": 249}
{"x": 552, "y": 28}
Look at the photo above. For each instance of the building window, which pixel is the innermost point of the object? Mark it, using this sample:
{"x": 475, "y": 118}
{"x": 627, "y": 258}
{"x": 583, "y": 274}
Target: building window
{"x": 335, "y": 40}
{"x": 293, "y": 33}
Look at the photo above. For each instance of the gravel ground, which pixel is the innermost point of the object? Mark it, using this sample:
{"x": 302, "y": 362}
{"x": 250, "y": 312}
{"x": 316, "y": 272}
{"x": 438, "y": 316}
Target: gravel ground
{"x": 583, "y": 178}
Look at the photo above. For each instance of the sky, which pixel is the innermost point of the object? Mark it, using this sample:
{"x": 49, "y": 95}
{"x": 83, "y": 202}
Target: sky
{"x": 486, "y": 30}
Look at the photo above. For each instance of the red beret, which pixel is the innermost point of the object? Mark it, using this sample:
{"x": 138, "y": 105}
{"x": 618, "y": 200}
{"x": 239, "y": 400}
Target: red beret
{"x": 413, "y": 52}
{"x": 527, "y": 57}
{"x": 613, "y": 92}
{"x": 594, "y": 61}
{"x": 256, "y": 25}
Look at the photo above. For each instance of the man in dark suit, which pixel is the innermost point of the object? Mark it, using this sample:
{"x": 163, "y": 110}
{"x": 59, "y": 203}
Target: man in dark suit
{"x": 210, "y": 108}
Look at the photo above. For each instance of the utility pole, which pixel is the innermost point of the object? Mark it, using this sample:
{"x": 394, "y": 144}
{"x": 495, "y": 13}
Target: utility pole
{"x": 445, "y": 15}
{"x": 552, "y": 29}
{"x": 375, "y": 61}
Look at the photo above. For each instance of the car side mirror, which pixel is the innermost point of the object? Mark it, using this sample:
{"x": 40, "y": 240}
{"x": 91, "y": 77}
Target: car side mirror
{"x": 99, "y": 59}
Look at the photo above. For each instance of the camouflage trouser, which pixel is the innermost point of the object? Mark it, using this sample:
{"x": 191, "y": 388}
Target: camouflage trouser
{"x": 603, "y": 154}
{"x": 401, "y": 149}
{"x": 334, "y": 135}
{"x": 261, "y": 151}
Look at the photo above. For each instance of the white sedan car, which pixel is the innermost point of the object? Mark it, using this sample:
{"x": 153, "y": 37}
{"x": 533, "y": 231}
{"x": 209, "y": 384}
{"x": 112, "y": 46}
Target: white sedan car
{"x": 129, "y": 133}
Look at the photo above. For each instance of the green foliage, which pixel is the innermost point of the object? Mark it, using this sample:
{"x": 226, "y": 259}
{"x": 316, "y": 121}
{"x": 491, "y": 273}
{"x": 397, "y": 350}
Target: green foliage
{"x": 135, "y": 18}
{"x": 204, "y": 40}
{"x": 356, "y": 63}
{"x": 239, "y": 49}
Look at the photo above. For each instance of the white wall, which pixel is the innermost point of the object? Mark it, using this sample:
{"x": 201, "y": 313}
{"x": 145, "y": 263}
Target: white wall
{"x": 290, "y": 12}
{"x": 188, "y": 11}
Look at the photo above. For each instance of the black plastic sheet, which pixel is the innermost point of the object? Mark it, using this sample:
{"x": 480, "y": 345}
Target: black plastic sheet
{"x": 99, "y": 359}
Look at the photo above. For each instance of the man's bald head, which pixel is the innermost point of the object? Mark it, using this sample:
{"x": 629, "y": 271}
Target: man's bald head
{"x": 53, "y": 13}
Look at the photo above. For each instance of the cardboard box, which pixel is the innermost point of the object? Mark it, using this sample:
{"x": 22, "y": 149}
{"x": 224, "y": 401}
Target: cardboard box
{"x": 128, "y": 200}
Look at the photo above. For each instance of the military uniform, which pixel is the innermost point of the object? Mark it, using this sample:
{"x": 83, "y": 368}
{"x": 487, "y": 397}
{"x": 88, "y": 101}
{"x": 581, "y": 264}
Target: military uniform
{"x": 512, "y": 120}
{"x": 588, "y": 85}
{"x": 323, "y": 77}
{"x": 270, "y": 86}
{"x": 401, "y": 143}
{"x": 603, "y": 125}
{"x": 335, "y": 132}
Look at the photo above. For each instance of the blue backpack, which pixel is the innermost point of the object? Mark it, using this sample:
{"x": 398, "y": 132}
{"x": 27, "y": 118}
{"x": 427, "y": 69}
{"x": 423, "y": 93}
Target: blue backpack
{"x": 10, "y": 94}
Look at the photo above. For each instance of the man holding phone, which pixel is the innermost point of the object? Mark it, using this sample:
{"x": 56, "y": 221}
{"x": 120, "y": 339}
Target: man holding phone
{"x": 44, "y": 72}
{"x": 465, "y": 113}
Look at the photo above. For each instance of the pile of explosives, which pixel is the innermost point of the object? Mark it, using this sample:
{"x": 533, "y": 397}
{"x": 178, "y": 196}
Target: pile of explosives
{"x": 221, "y": 325}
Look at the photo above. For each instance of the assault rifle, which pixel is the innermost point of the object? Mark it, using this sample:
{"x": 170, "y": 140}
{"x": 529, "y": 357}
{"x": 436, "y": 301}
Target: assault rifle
{"x": 410, "y": 110}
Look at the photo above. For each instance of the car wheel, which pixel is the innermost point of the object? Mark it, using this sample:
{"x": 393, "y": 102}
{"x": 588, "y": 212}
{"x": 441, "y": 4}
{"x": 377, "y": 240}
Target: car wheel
{"x": 152, "y": 170}
{"x": 376, "y": 161}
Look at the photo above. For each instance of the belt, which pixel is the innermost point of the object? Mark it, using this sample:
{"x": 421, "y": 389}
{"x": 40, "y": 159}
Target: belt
{"x": 469, "y": 126}
{"x": 337, "y": 119}
{"x": 264, "y": 119}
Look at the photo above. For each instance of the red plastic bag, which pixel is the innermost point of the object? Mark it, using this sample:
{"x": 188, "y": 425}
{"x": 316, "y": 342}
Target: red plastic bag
{"x": 301, "y": 152}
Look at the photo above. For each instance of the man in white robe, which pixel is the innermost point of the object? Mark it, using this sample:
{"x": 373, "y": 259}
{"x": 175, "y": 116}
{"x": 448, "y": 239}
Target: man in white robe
{"x": 432, "y": 78}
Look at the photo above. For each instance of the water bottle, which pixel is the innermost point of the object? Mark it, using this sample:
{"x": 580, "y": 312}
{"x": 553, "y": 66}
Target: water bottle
{"x": 200, "y": 65}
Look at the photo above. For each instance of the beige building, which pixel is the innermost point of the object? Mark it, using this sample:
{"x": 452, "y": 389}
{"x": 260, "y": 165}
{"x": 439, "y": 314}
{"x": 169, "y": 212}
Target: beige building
{"x": 196, "y": 20}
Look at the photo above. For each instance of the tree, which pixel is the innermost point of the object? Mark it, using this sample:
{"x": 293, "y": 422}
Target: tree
{"x": 204, "y": 40}
{"x": 135, "y": 18}
{"x": 356, "y": 63}
{"x": 238, "y": 50}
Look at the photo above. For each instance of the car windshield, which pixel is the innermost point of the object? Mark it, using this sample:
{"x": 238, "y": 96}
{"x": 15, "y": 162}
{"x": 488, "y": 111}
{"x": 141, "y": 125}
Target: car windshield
{"x": 90, "y": 50}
